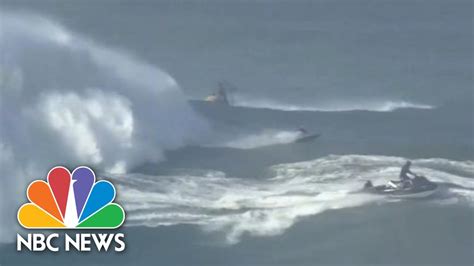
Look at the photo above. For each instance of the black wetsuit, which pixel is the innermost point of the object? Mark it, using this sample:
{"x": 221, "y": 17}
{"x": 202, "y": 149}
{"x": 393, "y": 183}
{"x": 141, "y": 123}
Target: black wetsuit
{"x": 404, "y": 173}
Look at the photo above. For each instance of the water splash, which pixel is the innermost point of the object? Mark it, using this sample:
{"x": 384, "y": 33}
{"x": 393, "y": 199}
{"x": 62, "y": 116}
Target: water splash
{"x": 263, "y": 207}
{"x": 65, "y": 99}
{"x": 260, "y": 139}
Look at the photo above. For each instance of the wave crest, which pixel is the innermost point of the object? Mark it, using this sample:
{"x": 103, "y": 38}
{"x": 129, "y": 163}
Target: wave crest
{"x": 66, "y": 99}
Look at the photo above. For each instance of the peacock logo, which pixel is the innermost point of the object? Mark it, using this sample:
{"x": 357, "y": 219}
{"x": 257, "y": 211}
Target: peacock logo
{"x": 71, "y": 201}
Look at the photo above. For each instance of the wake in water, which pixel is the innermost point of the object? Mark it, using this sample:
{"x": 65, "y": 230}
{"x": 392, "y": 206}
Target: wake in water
{"x": 376, "y": 106}
{"x": 263, "y": 207}
{"x": 261, "y": 139}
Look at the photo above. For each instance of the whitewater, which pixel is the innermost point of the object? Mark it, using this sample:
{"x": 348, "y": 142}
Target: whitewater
{"x": 66, "y": 99}
{"x": 259, "y": 139}
{"x": 270, "y": 206}
{"x": 381, "y": 105}
{"x": 118, "y": 86}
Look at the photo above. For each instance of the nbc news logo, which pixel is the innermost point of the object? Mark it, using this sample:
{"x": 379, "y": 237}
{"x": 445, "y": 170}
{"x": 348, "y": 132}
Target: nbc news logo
{"x": 71, "y": 201}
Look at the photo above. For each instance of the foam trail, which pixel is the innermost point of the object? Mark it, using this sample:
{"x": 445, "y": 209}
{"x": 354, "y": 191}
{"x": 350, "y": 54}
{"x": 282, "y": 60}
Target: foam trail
{"x": 65, "y": 99}
{"x": 261, "y": 139}
{"x": 375, "y": 106}
{"x": 264, "y": 207}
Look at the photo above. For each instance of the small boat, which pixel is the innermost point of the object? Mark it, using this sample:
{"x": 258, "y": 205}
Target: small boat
{"x": 418, "y": 187}
{"x": 222, "y": 95}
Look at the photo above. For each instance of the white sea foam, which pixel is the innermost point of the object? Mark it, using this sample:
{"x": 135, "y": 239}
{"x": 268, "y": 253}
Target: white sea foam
{"x": 335, "y": 106}
{"x": 260, "y": 139}
{"x": 263, "y": 207}
{"x": 66, "y": 99}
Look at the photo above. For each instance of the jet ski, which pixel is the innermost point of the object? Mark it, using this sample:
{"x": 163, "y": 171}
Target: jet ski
{"x": 417, "y": 187}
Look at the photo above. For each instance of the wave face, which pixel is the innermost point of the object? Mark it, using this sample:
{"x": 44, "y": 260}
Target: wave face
{"x": 375, "y": 106}
{"x": 66, "y": 99}
{"x": 264, "y": 207}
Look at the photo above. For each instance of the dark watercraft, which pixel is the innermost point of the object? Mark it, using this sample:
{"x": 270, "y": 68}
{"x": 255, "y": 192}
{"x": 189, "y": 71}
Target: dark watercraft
{"x": 221, "y": 95}
{"x": 418, "y": 187}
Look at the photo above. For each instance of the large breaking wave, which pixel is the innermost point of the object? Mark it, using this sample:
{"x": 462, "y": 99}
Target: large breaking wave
{"x": 262, "y": 207}
{"x": 65, "y": 98}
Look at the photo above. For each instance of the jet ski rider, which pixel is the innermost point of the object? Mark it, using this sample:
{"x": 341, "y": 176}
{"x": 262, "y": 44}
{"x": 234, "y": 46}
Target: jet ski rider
{"x": 404, "y": 178}
{"x": 302, "y": 131}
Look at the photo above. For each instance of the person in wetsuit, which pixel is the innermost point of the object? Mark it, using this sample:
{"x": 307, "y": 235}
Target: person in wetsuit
{"x": 406, "y": 180}
{"x": 302, "y": 131}
{"x": 222, "y": 94}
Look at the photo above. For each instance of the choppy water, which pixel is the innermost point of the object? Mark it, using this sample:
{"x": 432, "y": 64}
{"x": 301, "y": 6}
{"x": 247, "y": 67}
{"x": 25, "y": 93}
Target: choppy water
{"x": 215, "y": 185}
{"x": 269, "y": 206}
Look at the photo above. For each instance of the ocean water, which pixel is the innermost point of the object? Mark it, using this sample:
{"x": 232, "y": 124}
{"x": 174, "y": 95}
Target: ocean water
{"x": 297, "y": 203}
{"x": 114, "y": 86}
